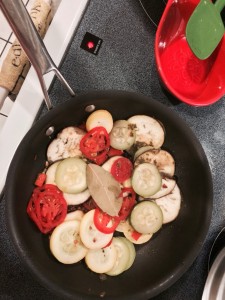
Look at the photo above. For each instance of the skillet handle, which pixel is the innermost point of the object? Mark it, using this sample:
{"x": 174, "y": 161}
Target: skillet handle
{"x": 31, "y": 42}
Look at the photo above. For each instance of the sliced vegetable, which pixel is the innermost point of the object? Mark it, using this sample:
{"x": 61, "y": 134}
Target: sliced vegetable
{"x": 74, "y": 215}
{"x": 101, "y": 260}
{"x": 129, "y": 200}
{"x": 134, "y": 237}
{"x": 141, "y": 151}
{"x": 146, "y": 180}
{"x": 104, "y": 189}
{"x": 132, "y": 252}
{"x": 122, "y": 169}
{"x": 91, "y": 237}
{"x": 70, "y": 175}
{"x": 76, "y": 199}
{"x": 170, "y": 205}
{"x": 122, "y": 135}
{"x": 67, "y": 144}
{"x": 146, "y": 217}
{"x": 40, "y": 179}
{"x": 95, "y": 144}
{"x": 65, "y": 243}
{"x": 167, "y": 186}
{"x": 104, "y": 222}
{"x": 50, "y": 173}
{"x": 161, "y": 158}
{"x": 47, "y": 207}
{"x": 122, "y": 258}
{"x": 149, "y": 131}
{"x": 98, "y": 118}
{"x": 114, "y": 152}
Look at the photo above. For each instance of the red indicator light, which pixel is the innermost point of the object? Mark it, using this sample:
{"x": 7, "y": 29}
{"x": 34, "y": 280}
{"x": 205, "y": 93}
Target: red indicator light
{"x": 90, "y": 45}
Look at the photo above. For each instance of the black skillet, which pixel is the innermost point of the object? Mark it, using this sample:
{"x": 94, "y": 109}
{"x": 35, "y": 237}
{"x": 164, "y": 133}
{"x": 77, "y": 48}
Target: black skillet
{"x": 160, "y": 262}
{"x": 170, "y": 252}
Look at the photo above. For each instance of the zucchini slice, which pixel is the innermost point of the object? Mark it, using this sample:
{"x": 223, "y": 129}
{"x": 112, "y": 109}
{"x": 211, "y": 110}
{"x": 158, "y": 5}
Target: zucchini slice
{"x": 161, "y": 158}
{"x": 65, "y": 243}
{"x": 100, "y": 117}
{"x": 146, "y": 180}
{"x": 167, "y": 186}
{"x": 70, "y": 176}
{"x": 101, "y": 260}
{"x": 129, "y": 231}
{"x": 146, "y": 217}
{"x": 76, "y": 199}
{"x": 91, "y": 237}
{"x": 122, "y": 258}
{"x": 122, "y": 135}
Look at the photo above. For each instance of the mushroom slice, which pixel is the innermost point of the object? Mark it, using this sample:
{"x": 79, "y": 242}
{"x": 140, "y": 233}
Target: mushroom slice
{"x": 149, "y": 131}
{"x": 170, "y": 205}
{"x": 161, "y": 158}
{"x": 67, "y": 144}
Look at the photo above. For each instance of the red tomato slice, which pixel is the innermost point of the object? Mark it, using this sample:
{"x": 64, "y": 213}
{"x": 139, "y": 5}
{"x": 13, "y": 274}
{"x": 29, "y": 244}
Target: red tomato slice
{"x": 122, "y": 169}
{"x": 95, "y": 144}
{"x": 104, "y": 222}
{"x": 129, "y": 200}
{"x": 114, "y": 152}
{"x": 47, "y": 207}
{"x": 40, "y": 179}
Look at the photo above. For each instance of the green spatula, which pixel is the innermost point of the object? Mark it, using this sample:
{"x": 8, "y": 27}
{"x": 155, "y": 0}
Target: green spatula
{"x": 205, "y": 28}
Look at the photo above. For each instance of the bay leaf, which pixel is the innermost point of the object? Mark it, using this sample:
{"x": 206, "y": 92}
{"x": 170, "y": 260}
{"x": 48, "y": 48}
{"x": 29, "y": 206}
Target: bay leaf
{"x": 104, "y": 189}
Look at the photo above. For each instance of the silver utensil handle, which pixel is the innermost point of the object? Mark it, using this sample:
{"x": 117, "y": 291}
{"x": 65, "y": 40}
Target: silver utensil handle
{"x": 31, "y": 42}
{"x": 25, "y": 31}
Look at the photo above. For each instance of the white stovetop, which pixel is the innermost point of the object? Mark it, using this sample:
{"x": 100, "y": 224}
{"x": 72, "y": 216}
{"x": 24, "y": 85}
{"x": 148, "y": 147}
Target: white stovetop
{"x": 21, "y": 113}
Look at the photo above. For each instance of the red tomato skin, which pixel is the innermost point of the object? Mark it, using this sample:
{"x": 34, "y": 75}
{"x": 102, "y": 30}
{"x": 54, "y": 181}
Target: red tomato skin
{"x": 101, "y": 220}
{"x": 95, "y": 145}
{"x": 122, "y": 169}
{"x": 47, "y": 207}
{"x": 40, "y": 180}
{"x": 128, "y": 203}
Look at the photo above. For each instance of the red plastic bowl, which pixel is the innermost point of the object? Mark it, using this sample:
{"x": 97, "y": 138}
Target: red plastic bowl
{"x": 191, "y": 80}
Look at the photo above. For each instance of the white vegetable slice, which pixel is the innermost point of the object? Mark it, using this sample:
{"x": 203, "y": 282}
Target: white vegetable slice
{"x": 142, "y": 150}
{"x": 167, "y": 186}
{"x": 149, "y": 132}
{"x": 170, "y": 205}
{"x": 100, "y": 117}
{"x": 91, "y": 237}
{"x": 65, "y": 243}
{"x": 146, "y": 217}
{"x": 67, "y": 144}
{"x": 75, "y": 199}
{"x": 128, "y": 231}
{"x": 122, "y": 135}
{"x": 122, "y": 258}
{"x": 101, "y": 260}
{"x": 161, "y": 158}
{"x": 146, "y": 180}
{"x": 50, "y": 173}
{"x": 132, "y": 252}
{"x": 74, "y": 215}
{"x": 70, "y": 175}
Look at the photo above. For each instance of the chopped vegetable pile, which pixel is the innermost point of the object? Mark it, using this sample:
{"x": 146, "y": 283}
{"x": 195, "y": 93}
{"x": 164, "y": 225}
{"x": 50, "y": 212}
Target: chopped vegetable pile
{"x": 106, "y": 188}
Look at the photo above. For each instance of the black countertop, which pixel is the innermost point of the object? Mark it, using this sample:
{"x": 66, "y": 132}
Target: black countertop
{"x": 126, "y": 62}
